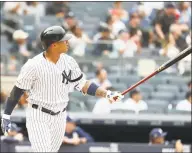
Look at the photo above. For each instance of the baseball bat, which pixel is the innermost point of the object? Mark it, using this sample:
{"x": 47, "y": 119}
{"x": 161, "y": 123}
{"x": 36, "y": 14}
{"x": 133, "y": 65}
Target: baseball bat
{"x": 169, "y": 63}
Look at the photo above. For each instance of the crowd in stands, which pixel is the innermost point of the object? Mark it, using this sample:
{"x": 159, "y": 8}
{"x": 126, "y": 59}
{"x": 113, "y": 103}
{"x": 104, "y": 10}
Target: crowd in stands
{"x": 144, "y": 25}
{"x": 164, "y": 26}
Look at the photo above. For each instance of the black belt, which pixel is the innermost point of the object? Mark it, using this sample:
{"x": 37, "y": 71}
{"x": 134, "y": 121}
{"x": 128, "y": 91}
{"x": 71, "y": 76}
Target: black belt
{"x": 45, "y": 110}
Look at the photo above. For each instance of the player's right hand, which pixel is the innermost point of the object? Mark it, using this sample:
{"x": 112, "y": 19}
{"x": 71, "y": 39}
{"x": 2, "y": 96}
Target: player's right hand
{"x": 5, "y": 126}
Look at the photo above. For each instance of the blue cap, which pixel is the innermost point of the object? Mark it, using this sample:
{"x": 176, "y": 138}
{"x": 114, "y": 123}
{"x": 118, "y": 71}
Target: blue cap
{"x": 14, "y": 127}
{"x": 157, "y": 132}
{"x": 68, "y": 119}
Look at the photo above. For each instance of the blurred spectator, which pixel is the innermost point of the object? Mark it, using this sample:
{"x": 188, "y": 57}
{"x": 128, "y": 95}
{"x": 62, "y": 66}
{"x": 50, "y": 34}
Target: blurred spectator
{"x": 107, "y": 24}
{"x": 190, "y": 85}
{"x": 135, "y": 102}
{"x": 35, "y": 8}
{"x": 185, "y": 13}
{"x": 103, "y": 43}
{"x": 21, "y": 44}
{"x": 178, "y": 37}
{"x": 163, "y": 22}
{"x": 124, "y": 46}
{"x": 74, "y": 134}
{"x": 3, "y": 98}
{"x": 170, "y": 50}
{"x": 157, "y": 136}
{"x": 13, "y": 8}
{"x": 118, "y": 11}
{"x": 79, "y": 42}
{"x": 58, "y": 8}
{"x": 185, "y": 105}
{"x": 134, "y": 23}
{"x": 23, "y": 100}
{"x": 184, "y": 65}
{"x": 14, "y": 134}
{"x": 18, "y": 8}
{"x": 152, "y": 8}
{"x": 134, "y": 28}
{"x": 69, "y": 22}
{"x": 146, "y": 28}
{"x": 117, "y": 25}
{"x": 102, "y": 79}
{"x": 103, "y": 105}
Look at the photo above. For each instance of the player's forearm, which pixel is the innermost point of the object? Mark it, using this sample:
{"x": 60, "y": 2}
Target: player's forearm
{"x": 100, "y": 92}
{"x": 94, "y": 90}
{"x": 12, "y": 100}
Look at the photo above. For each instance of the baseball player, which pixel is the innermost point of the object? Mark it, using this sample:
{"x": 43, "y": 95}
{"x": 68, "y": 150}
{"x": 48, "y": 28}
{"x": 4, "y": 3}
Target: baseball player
{"x": 48, "y": 78}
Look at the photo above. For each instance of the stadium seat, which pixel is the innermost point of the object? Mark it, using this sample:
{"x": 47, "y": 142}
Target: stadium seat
{"x": 129, "y": 80}
{"x": 122, "y": 111}
{"x": 146, "y": 87}
{"x": 29, "y": 20}
{"x": 156, "y": 80}
{"x": 91, "y": 101}
{"x": 78, "y": 95}
{"x": 174, "y": 111}
{"x": 177, "y": 81}
{"x": 50, "y": 20}
{"x": 145, "y": 95}
{"x": 180, "y": 96}
{"x": 5, "y": 45}
{"x": 167, "y": 88}
{"x": 163, "y": 95}
{"x": 113, "y": 78}
{"x": 75, "y": 105}
{"x": 119, "y": 86}
{"x": 184, "y": 88}
{"x": 156, "y": 104}
{"x": 152, "y": 110}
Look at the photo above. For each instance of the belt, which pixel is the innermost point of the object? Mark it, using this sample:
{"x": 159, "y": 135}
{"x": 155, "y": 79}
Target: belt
{"x": 45, "y": 110}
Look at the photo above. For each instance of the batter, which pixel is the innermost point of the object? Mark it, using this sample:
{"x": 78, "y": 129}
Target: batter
{"x": 48, "y": 78}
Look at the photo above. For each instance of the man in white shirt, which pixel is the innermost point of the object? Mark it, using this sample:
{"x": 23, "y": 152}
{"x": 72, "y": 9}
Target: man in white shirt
{"x": 135, "y": 102}
{"x": 117, "y": 25}
{"x": 36, "y": 8}
{"x": 101, "y": 79}
{"x": 124, "y": 46}
{"x": 185, "y": 105}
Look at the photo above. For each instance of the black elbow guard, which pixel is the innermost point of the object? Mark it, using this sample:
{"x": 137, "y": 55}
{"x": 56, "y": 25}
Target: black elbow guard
{"x": 13, "y": 99}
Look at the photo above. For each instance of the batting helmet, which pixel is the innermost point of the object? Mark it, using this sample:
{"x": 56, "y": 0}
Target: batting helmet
{"x": 53, "y": 34}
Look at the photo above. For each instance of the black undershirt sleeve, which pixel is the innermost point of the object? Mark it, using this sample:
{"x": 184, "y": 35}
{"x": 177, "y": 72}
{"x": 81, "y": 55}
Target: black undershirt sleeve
{"x": 13, "y": 99}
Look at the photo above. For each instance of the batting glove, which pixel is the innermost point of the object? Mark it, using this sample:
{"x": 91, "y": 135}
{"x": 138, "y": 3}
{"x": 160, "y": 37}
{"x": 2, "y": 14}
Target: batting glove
{"x": 114, "y": 96}
{"x": 5, "y": 126}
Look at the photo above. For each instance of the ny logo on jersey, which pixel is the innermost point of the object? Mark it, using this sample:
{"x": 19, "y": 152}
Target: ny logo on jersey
{"x": 67, "y": 77}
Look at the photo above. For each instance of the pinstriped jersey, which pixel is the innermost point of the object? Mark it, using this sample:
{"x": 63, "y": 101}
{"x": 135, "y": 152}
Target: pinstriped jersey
{"x": 45, "y": 81}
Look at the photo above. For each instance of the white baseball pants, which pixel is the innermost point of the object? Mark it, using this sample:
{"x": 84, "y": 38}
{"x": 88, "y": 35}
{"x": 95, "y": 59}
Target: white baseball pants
{"x": 45, "y": 131}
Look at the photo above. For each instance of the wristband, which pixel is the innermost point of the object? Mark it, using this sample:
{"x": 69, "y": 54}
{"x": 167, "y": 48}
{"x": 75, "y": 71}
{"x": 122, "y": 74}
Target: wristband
{"x": 5, "y": 116}
{"x": 92, "y": 89}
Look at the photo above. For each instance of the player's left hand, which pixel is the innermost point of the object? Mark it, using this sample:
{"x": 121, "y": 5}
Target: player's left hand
{"x": 114, "y": 96}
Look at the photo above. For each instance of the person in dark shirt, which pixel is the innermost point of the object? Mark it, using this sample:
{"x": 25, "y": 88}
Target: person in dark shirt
{"x": 75, "y": 135}
{"x": 69, "y": 22}
{"x": 57, "y": 8}
{"x": 163, "y": 22}
{"x": 104, "y": 43}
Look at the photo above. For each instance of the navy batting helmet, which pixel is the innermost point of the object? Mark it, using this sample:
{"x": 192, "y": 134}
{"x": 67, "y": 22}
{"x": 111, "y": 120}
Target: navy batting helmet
{"x": 53, "y": 34}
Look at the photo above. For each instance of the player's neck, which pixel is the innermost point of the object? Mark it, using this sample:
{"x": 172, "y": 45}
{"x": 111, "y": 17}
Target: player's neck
{"x": 52, "y": 56}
